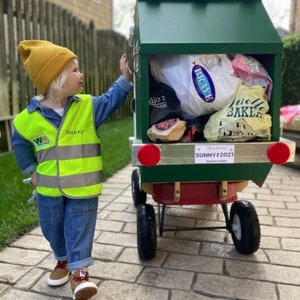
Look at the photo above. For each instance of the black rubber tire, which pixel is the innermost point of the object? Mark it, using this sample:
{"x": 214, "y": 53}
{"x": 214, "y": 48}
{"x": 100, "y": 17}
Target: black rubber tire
{"x": 146, "y": 232}
{"x": 138, "y": 195}
{"x": 245, "y": 227}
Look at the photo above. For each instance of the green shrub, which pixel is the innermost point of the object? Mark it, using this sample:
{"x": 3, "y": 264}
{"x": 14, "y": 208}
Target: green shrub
{"x": 291, "y": 70}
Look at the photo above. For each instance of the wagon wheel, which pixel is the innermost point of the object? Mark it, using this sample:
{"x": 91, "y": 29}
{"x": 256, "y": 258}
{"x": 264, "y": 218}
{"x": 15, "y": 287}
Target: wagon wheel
{"x": 138, "y": 195}
{"x": 146, "y": 231}
{"x": 245, "y": 228}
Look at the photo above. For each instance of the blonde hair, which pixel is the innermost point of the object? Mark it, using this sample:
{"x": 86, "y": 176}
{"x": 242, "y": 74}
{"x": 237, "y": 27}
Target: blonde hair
{"x": 55, "y": 89}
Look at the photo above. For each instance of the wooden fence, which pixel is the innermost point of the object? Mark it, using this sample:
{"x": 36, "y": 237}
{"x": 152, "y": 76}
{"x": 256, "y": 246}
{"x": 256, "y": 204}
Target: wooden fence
{"x": 98, "y": 52}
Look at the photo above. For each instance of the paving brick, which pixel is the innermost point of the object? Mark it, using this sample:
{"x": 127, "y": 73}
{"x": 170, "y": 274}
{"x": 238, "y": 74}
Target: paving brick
{"x": 13, "y": 294}
{"x": 27, "y": 257}
{"x": 124, "y": 199}
{"x": 285, "y": 192}
{"x": 268, "y": 204}
{"x": 175, "y": 245}
{"x": 277, "y": 231}
{"x": 262, "y": 271}
{"x": 228, "y": 251}
{"x": 159, "y": 277}
{"x": 245, "y": 195}
{"x": 130, "y": 255}
{"x": 130, "y": 228}
{"x": 119, "y": 239}
{"x": 190, "y": 295}
{"x": 108, "y": 225}
{"x": 285, "y": 213}
{"x": 234, "y": 288}
{"x": 288, "y": 292}
{"x": 272, "y": 197}
{"x": 218, "y": 236}
{"x": 291, "y": 244}
{"x": 43, "y": 288}
{"x": 288, "y": 222}
{"x": 287, "y": 258}
{"x": 104, "y": 198}
{"x": 121, "y": 216}
{"x": 267, "y": 242}
{"x": 114, "y": 185}
{"x": 202, "y": 213}
{"x": 253, "y": 189}
{"x": 194, "y": 263}
{"x": 117, "y": 206}
{"x": 32, "y": 242}
{"x": 110, "y": 191}
{"x": 36, "y": 231}
{"x": 106, "y": 252}
{"x": 3, "y": 287}
{"x": 176, "y": 222}
{"x": 116, "y": 271}
{"x": 10, "y": 273}
{"x": 48, "y": 263}
{"x": 29, "y": 279}
{"x": 266, "y": 220}
{"x": 288, "y": 185}
{"x": 293, "y": 205}
{"x": 115, "y": 290}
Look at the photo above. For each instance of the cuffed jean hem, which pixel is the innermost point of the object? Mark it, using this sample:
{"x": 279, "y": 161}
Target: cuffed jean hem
{"x": 60, "y": 258}
{"x": 81, "y": 264}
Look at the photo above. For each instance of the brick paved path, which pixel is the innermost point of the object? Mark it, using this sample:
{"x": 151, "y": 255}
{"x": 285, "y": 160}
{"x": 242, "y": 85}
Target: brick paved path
{"x": 188, "y": 265}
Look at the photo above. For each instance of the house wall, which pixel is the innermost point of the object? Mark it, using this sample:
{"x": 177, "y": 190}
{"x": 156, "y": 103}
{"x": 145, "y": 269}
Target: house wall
{"x": 99, "y": 11}
{"x": 295, "y": 16}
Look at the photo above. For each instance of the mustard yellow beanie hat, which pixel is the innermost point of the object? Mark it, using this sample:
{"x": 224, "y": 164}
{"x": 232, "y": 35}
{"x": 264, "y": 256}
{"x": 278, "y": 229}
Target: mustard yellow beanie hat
{"x": 43, "y": 61}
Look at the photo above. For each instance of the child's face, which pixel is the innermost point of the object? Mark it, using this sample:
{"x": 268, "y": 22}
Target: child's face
{"x": 73, "y": 83}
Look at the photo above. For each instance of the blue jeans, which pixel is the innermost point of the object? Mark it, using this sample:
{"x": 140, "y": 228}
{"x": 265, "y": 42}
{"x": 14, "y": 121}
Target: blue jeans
{"x": 69, "y": 226}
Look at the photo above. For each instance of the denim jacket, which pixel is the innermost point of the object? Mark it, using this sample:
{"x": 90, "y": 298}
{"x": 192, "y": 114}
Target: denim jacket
{"x": 103, "y": 105}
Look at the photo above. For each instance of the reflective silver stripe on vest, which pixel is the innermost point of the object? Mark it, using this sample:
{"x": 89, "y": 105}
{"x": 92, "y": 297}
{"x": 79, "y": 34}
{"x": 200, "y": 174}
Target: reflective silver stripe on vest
{"x": 69, "y": 152}
{"x": 70, "y": 181}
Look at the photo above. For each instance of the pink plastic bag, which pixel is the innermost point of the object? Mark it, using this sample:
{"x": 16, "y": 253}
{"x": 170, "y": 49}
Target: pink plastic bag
{"x": 289, "y": 112}
{"x": 252, "y": 72}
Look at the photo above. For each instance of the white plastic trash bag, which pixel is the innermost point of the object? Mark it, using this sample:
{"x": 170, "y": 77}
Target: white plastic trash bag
{"x": 203, "y": 83}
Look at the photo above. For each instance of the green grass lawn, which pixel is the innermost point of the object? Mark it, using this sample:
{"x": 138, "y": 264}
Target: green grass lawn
{"x": 17, "y": 216}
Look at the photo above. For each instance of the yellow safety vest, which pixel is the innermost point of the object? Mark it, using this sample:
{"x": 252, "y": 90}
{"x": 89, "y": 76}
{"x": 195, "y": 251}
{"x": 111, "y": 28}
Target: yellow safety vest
{"x": 69, "y": 158}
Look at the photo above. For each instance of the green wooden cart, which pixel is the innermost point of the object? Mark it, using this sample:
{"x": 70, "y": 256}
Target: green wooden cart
{"x": 175, "y": 174}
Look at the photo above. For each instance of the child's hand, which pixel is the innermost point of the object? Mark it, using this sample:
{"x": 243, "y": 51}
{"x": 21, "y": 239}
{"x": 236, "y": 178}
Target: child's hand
{"x": 124, "y": 68}
{"x": 33, "y": 178}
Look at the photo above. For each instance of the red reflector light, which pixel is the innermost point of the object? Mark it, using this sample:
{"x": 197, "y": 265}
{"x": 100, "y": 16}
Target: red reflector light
{"x": 278, "y": 153}
{"x": 149, "y": 155}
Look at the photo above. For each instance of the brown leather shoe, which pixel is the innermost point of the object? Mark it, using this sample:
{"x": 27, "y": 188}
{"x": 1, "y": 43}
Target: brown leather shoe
{"x": 60, "y": 274}
{"x": 81, "y": 287}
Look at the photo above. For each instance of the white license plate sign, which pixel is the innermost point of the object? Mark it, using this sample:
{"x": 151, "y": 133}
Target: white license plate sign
{"x": 214, "y": 154}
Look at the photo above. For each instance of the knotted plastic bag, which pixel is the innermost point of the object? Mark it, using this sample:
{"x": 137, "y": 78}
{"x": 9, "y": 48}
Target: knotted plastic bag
{"x": 244, "y": 118}
{"x": 203, "y": 83}
{"x": 252, "y": 72}
{"x": 163, "y": 102}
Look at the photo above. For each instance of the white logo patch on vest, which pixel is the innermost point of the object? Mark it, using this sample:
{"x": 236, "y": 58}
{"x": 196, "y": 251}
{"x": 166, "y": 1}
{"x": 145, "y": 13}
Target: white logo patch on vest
{"x": 41, "y": 140}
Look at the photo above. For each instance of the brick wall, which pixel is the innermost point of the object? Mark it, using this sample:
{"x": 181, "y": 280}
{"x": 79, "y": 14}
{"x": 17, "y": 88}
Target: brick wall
{"x": 99, "y": 11}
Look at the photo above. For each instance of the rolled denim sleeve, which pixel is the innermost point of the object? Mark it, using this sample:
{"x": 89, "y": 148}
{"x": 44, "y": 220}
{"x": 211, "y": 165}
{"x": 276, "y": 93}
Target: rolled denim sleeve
{"x": 24, "y": 153}
{"x": 109, "y": 102}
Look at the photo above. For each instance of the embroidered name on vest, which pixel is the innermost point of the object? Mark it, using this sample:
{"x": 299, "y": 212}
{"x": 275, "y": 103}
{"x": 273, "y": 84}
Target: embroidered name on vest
{"x": 80, "y": 131}
{"x": 41, "y": 140}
